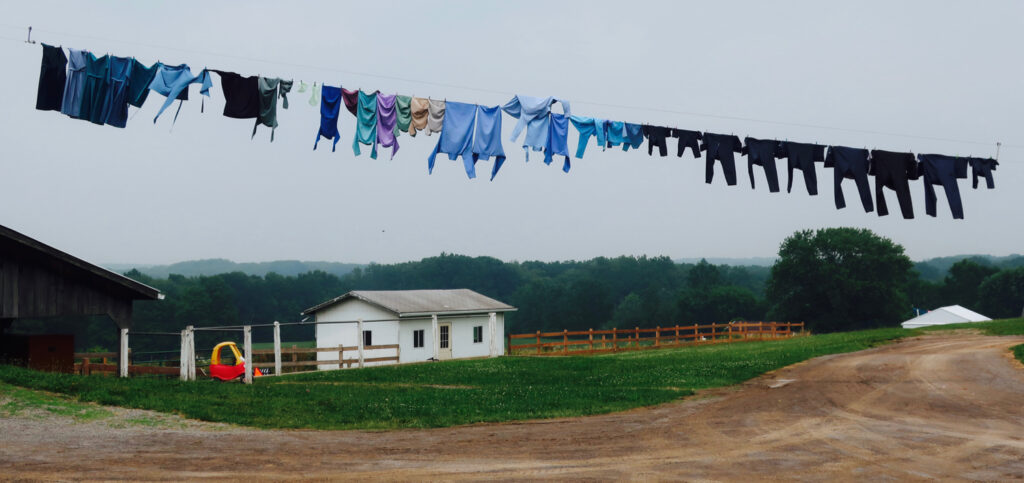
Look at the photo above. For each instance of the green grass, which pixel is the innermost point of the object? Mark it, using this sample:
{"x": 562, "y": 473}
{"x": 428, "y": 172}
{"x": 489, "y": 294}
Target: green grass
{"x": 995, "y": 327}
{"x": 462, "y": 392}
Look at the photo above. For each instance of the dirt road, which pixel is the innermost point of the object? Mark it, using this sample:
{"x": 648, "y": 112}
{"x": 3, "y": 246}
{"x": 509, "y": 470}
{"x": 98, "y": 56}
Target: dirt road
{"x": 949, "y": 406}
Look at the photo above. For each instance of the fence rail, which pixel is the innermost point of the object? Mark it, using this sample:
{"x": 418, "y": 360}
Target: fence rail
{"x": 614, "y": 340}
{"x": 340, "y": 350}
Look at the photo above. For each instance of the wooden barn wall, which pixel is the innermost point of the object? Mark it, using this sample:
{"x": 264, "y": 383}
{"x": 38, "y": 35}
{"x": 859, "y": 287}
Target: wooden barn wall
{"x": 32, "y": 286}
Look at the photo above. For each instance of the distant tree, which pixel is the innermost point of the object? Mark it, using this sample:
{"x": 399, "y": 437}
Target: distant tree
{"x": 1002, "y": 294}
{"x": 839, "y": 279}
{"x": 962, "y": 283}
{"x": 719, "y": 304}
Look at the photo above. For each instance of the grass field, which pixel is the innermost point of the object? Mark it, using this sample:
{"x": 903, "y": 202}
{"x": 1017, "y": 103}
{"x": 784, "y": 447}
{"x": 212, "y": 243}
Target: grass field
{"x": 463, "y": 392}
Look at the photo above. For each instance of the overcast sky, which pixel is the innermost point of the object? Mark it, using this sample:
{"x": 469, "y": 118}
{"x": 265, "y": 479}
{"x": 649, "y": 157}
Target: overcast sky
{"x": 942, "y": 77}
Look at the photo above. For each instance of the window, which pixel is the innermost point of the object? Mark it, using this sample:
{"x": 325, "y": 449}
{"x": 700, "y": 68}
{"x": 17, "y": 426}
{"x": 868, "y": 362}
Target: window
{"x": 478, "y": 334}
{"x": 417, "y": 338}
{"x": 443, "y": 339}
{"x": 367, "y": 338}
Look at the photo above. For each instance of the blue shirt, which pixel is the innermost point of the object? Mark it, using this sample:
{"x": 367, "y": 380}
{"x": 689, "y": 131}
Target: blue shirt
{"x": 169, "y": 81}
{"x": 366, "y": 123}
{"x": 330, "y": 106}
{"x": 487, "y": 141}
{"x": 634, "y": 136}
{"x": 558, "y": 140}
{"x": 456, "y": 136}
{"x": 533, "y": 114}
{"x": 589, "y": 127}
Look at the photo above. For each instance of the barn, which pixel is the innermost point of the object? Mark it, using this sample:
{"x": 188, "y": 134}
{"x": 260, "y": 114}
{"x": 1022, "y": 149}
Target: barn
{"x": 38, "y": 281}
{"x": 423, "y": 324}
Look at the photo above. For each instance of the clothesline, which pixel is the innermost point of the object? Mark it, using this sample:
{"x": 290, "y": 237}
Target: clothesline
{"x": 99, "y": 89}
{"x": 507, "y": 93}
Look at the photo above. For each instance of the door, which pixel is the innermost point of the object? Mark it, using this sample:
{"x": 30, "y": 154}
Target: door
{"x": 444, "y": 332}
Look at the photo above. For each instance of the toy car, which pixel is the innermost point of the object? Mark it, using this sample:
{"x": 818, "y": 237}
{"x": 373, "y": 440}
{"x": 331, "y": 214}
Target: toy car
{"x": 228, "y": 372}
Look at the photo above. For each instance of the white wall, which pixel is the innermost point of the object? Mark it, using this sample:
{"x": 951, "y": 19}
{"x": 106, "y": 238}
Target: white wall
{"x": 409, "y": 353}
{"x": 347, "y": 333}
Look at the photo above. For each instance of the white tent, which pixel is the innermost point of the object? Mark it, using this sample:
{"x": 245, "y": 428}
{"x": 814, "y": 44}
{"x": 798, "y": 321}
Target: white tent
{"x": 954, "y": 314}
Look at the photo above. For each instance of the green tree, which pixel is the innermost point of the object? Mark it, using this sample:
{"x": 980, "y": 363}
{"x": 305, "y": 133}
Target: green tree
{"x": 1002, "y": 294}
{"x": 839, "y": 279}
{"x": 719, "y": 304}
{"x": 962, "y": 283}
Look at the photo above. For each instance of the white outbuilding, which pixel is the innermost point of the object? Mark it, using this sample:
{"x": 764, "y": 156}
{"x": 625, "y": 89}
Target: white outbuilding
{"x": 953, "y": 314}
{"x": 419, "y": 325}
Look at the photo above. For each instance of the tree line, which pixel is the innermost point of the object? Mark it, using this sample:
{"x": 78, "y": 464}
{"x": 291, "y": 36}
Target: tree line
{"x": 834, "y": 279}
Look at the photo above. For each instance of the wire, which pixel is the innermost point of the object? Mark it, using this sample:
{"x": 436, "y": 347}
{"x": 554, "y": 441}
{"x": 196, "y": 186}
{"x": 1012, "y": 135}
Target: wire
{"x": 500, "y": 92}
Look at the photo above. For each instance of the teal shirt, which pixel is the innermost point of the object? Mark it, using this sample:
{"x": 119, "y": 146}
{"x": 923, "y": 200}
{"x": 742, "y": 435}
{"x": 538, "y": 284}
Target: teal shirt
{"x": 366, "y": 123}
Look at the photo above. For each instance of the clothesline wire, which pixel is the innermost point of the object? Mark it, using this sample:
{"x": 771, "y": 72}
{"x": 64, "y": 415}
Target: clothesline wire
{"x": 506, "y": 93}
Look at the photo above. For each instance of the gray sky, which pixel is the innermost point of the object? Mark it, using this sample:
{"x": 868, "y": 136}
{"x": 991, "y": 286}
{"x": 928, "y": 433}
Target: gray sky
{"x": 146, "y": 194}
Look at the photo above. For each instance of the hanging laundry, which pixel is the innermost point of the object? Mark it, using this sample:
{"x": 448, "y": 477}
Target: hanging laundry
{"x": 71, "y": 102}
{"x": 456, "y": 137}
{"x": 533, "y": 114}
{"x": 94, "y": 92}
{"x": 616, "y": 133}
{"x": 351, "y": 100}
{"x": 688, "y": 139}
{"x": 893, "y": 171}
{"x": 983, "y": 167}
{"x": 558, "y": 140}
{"x": 435, "y": 116}
{"x": 366, "y": 124}
{"x": 418, "y": 111}
{"x": 269, "y": 90}
{"x": 403, "y": 107}
{"x": 115, "y": 105}
{"x": 657, "y": 137}
{"x": 850, "y": 163}
{"x": 241, "y": 95}
{"x": 171, "y": 80}
{"x": 330, "y": 108}
{"x": 588, "y": 127}
{"x": 634, "y": 136}
{"x": 762, "y": 152}
{"x": 802, "y": 156}
{"x": 487, "y": 140}
{"x": 302, "y": 86}
{"x": 387, "y": 119}
{"x": 53, "y": 77}
{"x": 721, "y": 147}
{"x": 138, "y": 83}
{"x": 314, "y": 97}
{"x": 943, "y": 170}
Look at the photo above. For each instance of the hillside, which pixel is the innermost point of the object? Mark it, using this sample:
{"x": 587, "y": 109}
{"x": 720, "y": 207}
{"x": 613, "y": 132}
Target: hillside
{"x": 216, "y": 266}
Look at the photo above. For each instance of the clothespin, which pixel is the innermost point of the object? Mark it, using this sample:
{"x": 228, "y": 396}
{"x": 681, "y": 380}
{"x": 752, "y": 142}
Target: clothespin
{"x": 29, "y": 39}
{"x": 998, "y": 145}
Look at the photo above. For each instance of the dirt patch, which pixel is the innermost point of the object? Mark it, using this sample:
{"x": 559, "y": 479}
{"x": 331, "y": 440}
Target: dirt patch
{"x": 939, "y": 406}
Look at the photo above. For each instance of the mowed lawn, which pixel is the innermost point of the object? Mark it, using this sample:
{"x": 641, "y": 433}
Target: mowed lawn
{"x": 462, "y": 392}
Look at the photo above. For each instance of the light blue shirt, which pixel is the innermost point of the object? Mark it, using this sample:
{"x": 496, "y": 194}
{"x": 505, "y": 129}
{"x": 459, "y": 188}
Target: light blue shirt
{"x": 589, "y": 127}
{"x": 456, "y": 136}
{"x": 169, "y": 81}
{"x": 534, "y": 116}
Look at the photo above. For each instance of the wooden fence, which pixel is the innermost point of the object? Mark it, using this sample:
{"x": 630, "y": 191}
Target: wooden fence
{"x": 297, "y": 361}
{"x": 97, "y": 362}
{"x": 615, "y": 340}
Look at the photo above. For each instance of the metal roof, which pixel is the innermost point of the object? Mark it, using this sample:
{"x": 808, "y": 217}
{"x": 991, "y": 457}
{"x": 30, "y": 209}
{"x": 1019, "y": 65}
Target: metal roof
{"x": 407, "y": 303}
{"x": 22, "y": 245}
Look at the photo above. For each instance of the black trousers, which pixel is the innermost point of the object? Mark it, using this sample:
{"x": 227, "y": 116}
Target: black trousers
{"x": 894, "y": 171}
{"x": 850, "y": 163}
{"x": 943, "y": 170}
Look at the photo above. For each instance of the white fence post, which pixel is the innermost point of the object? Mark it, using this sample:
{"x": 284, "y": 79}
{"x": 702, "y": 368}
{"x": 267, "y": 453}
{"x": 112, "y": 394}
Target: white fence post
{"x": 247, "y": 338}
{"x": 183, "y": 364}
{"x": 277, "y": 348}
{"x": 123, "y": 355}
{"x": 360, "y": 340}
{"x": 435, "y": 336}
{"x": 492, "y": 325}
{"x": 191, "y": 348}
